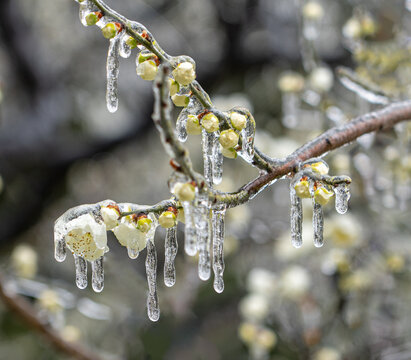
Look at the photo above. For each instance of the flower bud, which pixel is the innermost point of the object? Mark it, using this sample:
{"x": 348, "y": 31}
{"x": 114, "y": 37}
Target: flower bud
{"x": 229, "y": 153}
{"x": 131, "y": 42}
{"x": 184, "y": 191}
{"x": 238, "y": 121}
{"x": 92, "y": 19}
{"x": 180, "y": 100}
{"x": 144, "y": 224}
{"x": 302, "y": 189}
{"x": 147, "y": 70}
{"x": 228, "y": 139}
{"x": 320, "y": 167}
{"x": 184, "y": 73}
{"x": 322, "y": 195}
{"x": 193, "y": 125}
{"x": 109, "y": 31}
{"x": 167, "y": 219}
{"x": 174, "y": 86}
{"x": 110, "y": 216}
{"x": 210, "y": 122}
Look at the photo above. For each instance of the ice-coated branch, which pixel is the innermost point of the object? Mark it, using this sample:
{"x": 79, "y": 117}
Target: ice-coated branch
{"x": 27, "y": 313}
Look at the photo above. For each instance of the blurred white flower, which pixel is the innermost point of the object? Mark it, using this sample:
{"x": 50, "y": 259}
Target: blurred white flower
{"x": 321, "y": 79}
{"x": 343, "y": 231}
{"x": 262, "y": 282}
{"x": 254, "y": 307}
{"x": 295, "y": 282}
{"x": 24, "y": 261}
{"x": 327, "y": 353}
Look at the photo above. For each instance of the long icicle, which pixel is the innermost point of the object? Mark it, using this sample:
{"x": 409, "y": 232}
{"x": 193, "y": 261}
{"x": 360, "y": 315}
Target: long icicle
{"x": 218, "y": 248}
{"x": 81, "y": 271}
{"x": 202, "y": 226}
{"x": 153, "y": 309}
{"x": 296, "y": 218}
{"x": 112, "y": 69}
{"x": 97, "y": 277}
{"x": 190, "y": 233}
{"x": 170, "y": 250}
{"x": 217, "y": 161}
{"x": 318, "y": 224}
{"x": 208, "y": 145}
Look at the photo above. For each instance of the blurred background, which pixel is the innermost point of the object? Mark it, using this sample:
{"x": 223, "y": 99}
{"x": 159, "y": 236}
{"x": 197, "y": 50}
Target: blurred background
{"x": 60, "y": 147}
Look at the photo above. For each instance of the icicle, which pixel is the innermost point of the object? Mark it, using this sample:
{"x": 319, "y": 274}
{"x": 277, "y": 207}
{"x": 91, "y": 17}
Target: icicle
{"x": 97, "y": 279}
{"x": 342, "y": 195}
{"x": 81, "y": 272}
{"x": 181, "y": 125}
{"x": 208, "y": 145}
{"x": 84, "y": 9}
{"x": 296, "y": 218}
{"x": 59, "y": 246}
{"x": 112, "y": 74}
{"x": 170, "y": 249}
{"x": 318, "y": 224}
{"x": 247, "y": 138}
{"x": 218, "y": 248}
{"x": 153, "y": 309}
{"x": 190, "y": 235}
{"x": 202, "y": 215}
{"x": 132, "y": 252}
{"x": 217, "y": 162}
{"x": 125, "y": 50}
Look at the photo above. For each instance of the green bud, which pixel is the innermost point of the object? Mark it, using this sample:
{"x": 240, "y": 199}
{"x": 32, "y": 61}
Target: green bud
{"x": 193, "y": 125}
{"x": 167, "y": 219}
{"x": 210, "y": 122}
{"x": 180, "y": 100}
{"x": 109, "y": 31}
{"x": 302, "y": 189}
{"x": 147, "y": 70}
{"x": 174, "y": 86}
{"x": 322, "y": 196}
{"x": 144, "y": 224}
{"x": 184, "y": 191}
{"x": 228, "y": 139}
{"x": 238, "y": 121}
{"x": 145, "y": 56}
{"x": 91, "y": 19}
{"x": 184, "y": 73}
{"x": 229, "y": 153}
{"x": 131, "y": 42}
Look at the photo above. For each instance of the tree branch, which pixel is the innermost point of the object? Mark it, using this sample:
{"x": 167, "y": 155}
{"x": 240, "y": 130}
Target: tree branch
{"x": 28, "y": 314}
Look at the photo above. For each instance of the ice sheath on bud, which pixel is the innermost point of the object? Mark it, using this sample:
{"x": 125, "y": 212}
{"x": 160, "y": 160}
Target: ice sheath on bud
{"x": 97, "y": 276}
{"x": 112, "y": 68}
{"x": 125, "y": 49}
{"x": 170, "y": 252}
{"x": 190, "y": 233}
{"x": 218, "y": 247}
{"x": 342, "y": 195}
{"x": 296, "y": 218}
{"x": 84, "y": 8}
{"x": 181, "y": 125}
{"x": 153, "y": 309}
{"x": 81, "y": 271}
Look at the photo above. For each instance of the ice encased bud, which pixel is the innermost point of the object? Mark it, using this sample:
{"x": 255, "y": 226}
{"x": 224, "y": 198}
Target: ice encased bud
{"x": 184, "y": 73}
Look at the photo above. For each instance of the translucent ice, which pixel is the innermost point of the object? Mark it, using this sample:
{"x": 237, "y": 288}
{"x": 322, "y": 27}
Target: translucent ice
{"x": 218, "y": 248}
{"x": 125, "y": 50}
{"x": 318, "y": 224}
{"x": 97, "y": 278}
{"x": 296, "y": 218}
{"x": 181, "y": 125}
{"x": 153, "y": 309}
{"x": 342, "y": 195}
{"x": 112, "y": 68}
{"x": 190, "y": 238}
{"x": 81, "y": 272}
{"x": 170, "y": 250}
{"x": 202, "y": 217}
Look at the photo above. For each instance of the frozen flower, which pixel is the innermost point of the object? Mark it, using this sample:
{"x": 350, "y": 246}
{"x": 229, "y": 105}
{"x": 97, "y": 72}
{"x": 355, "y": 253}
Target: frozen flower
{"x": 184, "y": 191}
{"x": 86, "y": 237}
{"x": 229, "y": 153}
{"x": 193, "y": 125}
{"x": 322, "y": 195}
{"x": 238, "y": 121}
{"x": 167, "y": 219}
{"x": 302, "y": 189}
{"x": 184, "y": 73}
{"x": 210, "y": 122}
{"x": 254, "y": 307}
{"x": 110, "y": 216}
{"x": 147, "y": 70}
{"x": 24, "y": 261}
{"x": 129, "y": 235}
{"x": 180, "y": 100}
{"x": 320, "y": 167}
{"x": 174, "y": 86}
{"x": 295, "y": 282}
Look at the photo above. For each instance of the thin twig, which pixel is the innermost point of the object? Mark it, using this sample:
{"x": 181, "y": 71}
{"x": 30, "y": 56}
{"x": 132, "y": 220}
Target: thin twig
{"x": 27, "y": 313}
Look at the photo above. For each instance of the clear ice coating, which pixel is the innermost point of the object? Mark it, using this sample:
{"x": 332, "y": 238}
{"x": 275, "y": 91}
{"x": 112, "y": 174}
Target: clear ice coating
{"x": 218, "y": 248}
{"x": 133, "y": 252}
{"x": 202, "y": 217}
{"x": 125, "y": 50}
{"x": 247, "y": 138}
{"x": 170, "y": 252}
{"x": 366, "y": 94}
{"x": 318, "y": 224}
{"x": 59, "y": 245}
{"x": 97, "y": 276}
{"x": 84, "y": 9}
{"x": 296, "y": 218}
{"x": 190, "y": 233}
{"x": 208, "y": 141}
{"x": 112, "y": 68}
{"x": 181, "y": 125}
{"x": 81, "y": 271}
{"x": 153, "y": 309}
{"x": 217, "y": 162}
{"x": 342, "y": 195}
